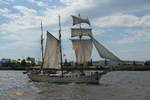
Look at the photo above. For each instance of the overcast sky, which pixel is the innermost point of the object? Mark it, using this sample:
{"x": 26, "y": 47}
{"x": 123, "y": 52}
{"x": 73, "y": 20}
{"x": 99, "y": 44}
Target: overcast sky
{"x": 122, "y": 26}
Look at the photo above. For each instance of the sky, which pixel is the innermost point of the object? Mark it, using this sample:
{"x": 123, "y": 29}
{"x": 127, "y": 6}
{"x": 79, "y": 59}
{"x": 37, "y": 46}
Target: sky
{"x": 122, "y": 26}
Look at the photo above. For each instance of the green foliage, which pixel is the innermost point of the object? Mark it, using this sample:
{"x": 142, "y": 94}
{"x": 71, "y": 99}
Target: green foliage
{"x": 147, "y": 63}
{"x": 23, "y": 62}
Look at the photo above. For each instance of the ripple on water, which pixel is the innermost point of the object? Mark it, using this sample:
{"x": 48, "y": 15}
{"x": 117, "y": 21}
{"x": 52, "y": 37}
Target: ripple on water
{"x": 114, "y": 86}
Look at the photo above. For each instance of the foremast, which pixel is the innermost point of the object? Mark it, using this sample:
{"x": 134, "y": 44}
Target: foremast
{"x": 82, "y": 47}
{"x": 80, "y": 29}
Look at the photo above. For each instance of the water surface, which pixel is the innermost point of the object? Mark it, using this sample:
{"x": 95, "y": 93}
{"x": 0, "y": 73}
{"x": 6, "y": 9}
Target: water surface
{"x": 117, "y": 85}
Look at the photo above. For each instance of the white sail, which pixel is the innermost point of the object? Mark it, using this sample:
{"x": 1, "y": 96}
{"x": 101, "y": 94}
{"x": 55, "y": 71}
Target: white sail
{"x": 52, "y": 52}
{"x": 103, "y": 52}
{"x": 83, "y": 50}
{"x": 78, "y": 20}
{"x": 81, "y": 32}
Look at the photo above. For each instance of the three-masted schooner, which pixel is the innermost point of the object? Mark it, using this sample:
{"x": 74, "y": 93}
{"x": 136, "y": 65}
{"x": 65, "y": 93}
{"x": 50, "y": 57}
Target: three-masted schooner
{"x": 52, "y": 58}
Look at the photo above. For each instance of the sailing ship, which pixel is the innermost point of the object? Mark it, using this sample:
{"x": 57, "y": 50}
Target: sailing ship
{"x": 52, "y": 58}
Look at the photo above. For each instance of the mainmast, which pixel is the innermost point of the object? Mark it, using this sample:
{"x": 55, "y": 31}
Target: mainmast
{"x": 42, "y": 39}
{"x": 60, "y": 47}
{"x": 80, "y": 29}
{"x": 83, "y": 47}
{"x": 80, "y": 37}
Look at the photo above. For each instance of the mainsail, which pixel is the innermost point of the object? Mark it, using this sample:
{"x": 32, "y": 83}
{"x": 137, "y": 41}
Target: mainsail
{"x": 83, "y": 50}
{"x": 52, "y": 52}
{"x": 103, "y": 52}
{"x": 81, "y": 32}
{"x": 78, "y": 20}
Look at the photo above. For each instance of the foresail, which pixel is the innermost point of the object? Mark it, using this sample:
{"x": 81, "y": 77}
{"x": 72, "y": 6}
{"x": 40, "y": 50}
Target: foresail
{"x": 78, "y": 20}
{"x": 103, "y": 52}
{"x": 52, "y": 52}
{"x": 83, "y": 50}
{"x": 81, "y": 32}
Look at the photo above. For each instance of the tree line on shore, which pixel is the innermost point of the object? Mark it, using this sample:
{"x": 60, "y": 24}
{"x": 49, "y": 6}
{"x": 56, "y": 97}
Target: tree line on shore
{"x": 18, "y": 64}
{"x": 30, "y": 62}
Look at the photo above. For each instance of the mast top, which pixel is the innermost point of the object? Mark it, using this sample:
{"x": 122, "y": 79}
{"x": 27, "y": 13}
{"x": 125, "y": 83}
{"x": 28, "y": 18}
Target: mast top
{"x": 80, "y": 31}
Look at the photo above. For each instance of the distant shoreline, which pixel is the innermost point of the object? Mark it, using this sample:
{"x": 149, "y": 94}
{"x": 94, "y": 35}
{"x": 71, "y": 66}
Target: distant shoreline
{"x": 9, "y": 68}
{"x": 71, "y": 68}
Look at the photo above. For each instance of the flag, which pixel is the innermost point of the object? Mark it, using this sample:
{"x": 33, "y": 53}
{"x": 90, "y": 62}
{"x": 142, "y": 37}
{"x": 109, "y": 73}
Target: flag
{"x": 64, "y": 55}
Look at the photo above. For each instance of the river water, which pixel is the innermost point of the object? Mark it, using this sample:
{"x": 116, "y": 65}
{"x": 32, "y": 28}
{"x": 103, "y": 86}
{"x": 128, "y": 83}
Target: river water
{"x": 117, "y": 85}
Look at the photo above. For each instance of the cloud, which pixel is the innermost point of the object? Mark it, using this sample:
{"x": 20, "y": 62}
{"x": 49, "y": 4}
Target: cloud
{"x": 39, "y": 3}
{"x": 125, "y": 20}
{"x": 136, "y": 52}
{"x": 25, "y": 11}
{"x": 134, "y": 36}
{"x": 3, "y": 11}
{"x": 24, "y": 23}
{"x": 82, "y": 6}
{"x": 19, "y": 49}
{"x": 103, "y": 8}
{"x": 21, "y": 29}
{"x": 22, "y": 43}
{"x": 6, "y": 2}
{"x": 24, "y": 19}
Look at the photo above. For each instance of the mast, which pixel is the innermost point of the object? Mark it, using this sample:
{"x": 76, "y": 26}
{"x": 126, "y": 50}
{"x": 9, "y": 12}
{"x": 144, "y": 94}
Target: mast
{"x": 60, "y": 47}
{"x": 42, "y": 39}
{"x": 82, "y": 57}
{"x": 80, "y": 28}
{"x": 80, "y": 39}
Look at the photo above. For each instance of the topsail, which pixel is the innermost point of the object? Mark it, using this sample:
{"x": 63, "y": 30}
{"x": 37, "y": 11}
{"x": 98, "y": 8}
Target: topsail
{"x": 103, "y": 52}
{"x": 81, "y": 32}
{"x": 52, "y": 52}
{"x": 78, "y": 20}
